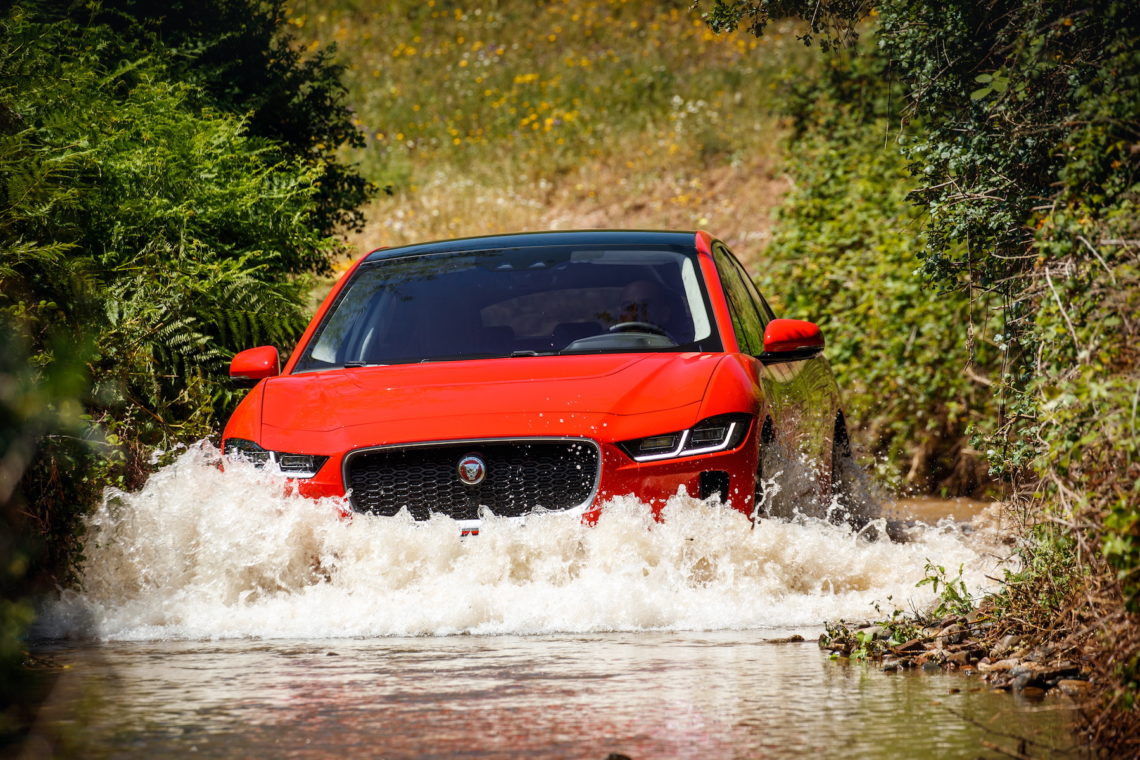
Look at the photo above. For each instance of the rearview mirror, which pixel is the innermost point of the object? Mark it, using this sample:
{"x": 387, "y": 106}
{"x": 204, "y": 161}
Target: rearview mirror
{"x": 255, "y": 364}
{"x": 790, "y": 340}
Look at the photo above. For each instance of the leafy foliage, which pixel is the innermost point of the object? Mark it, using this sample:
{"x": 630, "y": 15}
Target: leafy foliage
{"x": 953, "y": 596}
{"x": 242, "y": 59}
{"x": 848, "y": 233}
{"x": 870, "y": 642}
{"x": 831, "y": 22}
{"x": 1029, "y": 166}
{"x": 146, "y": 233}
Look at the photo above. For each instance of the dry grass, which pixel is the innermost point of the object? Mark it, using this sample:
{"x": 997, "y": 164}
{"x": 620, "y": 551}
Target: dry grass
{"x": 567, "y": 114}
{"x": 734, "y": 201}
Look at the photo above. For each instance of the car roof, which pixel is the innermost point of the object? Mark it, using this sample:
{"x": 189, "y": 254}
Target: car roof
{"x": 540, "y": 239}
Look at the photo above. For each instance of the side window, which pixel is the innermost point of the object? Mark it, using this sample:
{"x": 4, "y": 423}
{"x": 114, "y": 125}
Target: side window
{"x": 762, "y": 307}
{"x": 746, "y": 321}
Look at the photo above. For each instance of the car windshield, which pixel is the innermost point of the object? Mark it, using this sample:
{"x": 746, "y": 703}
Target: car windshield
{"x": 516, "y": 302}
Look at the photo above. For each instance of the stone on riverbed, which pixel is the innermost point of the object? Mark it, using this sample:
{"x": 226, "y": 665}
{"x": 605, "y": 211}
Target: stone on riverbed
{"x": 952, "y": 634}
{"x": 1000, "y": 665}
{"x": 1006, "y": 645}
{"x": 794, "y": 638}
{"x": 1073, "y": 687}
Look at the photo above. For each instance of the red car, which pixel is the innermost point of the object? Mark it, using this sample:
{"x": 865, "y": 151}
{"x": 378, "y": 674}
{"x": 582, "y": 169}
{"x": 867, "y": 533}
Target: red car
{"x": 544, "y": 372}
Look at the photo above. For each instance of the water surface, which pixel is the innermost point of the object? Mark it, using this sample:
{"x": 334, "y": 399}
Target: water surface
{"x": 645, "y": 695}
{"x": 223, "y": 617}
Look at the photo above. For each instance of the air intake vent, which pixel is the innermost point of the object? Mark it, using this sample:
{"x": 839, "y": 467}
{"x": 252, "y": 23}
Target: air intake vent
{"x": 519, "y": 477}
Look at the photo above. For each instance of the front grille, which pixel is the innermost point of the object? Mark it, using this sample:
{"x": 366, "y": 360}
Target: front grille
{"x": 521, "y": 477}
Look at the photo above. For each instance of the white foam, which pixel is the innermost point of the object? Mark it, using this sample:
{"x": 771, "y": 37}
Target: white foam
{"x": 200, "y": 553}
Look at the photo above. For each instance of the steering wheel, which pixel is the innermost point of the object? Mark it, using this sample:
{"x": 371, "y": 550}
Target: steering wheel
{"x": 622, "y": 327}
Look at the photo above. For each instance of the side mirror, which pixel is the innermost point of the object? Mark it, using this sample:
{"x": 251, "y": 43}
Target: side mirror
{"x": 255, "y": 364}
{"x": 791, "y": 340}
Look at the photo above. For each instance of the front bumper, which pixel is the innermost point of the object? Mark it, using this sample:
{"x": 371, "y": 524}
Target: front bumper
{"x": 728, "y": 474}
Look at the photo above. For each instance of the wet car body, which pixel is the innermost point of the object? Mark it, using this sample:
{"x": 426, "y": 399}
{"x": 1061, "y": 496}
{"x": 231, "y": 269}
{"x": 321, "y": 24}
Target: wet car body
{"x": 541, "y": 372}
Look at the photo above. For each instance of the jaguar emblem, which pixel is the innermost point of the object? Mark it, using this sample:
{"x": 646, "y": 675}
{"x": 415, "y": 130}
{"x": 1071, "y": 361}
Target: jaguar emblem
{"x": 472, "y": 470}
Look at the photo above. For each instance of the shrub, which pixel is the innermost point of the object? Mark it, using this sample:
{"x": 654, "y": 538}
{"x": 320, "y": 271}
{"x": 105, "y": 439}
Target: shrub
{"x": 241, "y": 59}
{"x": 917, "y": 360}
{"x": 147, "y": 224}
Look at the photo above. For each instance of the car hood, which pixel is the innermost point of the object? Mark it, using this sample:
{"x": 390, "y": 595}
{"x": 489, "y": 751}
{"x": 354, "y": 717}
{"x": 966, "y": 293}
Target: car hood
{"x": 612, "y": 384}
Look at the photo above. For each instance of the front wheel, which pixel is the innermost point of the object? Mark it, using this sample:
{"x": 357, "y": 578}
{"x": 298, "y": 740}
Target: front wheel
{"x": 785, "y": 480}
{"x": 852, "y": 497}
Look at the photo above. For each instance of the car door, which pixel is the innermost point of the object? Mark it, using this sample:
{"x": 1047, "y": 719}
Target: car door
{"x": 802, "y": 394}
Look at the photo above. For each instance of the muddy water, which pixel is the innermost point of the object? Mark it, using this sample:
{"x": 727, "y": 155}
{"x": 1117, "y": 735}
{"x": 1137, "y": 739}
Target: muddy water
{"x": 224, "y": 617}
{"x": 716, "y": 694}
{"x": 932, "y": 510}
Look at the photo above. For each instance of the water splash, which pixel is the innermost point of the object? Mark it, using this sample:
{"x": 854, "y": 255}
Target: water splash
{"x": 200, "y": 553}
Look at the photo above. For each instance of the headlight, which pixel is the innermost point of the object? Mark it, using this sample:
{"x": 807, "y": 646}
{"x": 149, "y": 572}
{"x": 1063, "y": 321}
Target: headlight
{"x": 293, "y": 465}
{"x": 719, "y": 433}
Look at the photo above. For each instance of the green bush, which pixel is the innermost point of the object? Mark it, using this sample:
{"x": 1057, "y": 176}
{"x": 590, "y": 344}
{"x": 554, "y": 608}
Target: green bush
{"x": 1028, "y": 172}
{"x": 146, "y": 231}
{"x": 241, "y": 59}
{"x": 916, "y": 360}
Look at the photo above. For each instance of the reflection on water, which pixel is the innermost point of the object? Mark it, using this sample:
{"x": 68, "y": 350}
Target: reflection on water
{"x": 645, "y": 695}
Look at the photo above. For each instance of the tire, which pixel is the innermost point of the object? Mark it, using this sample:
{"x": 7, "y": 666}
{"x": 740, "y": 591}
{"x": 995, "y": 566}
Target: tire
{"x": 785, "y": 484}
{"x": 853, "y": 499}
